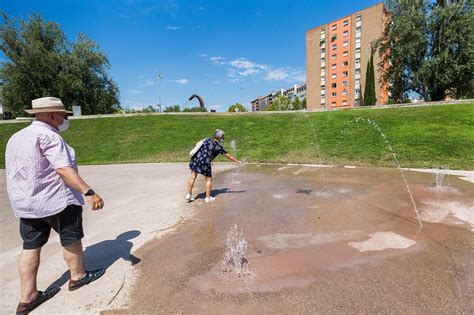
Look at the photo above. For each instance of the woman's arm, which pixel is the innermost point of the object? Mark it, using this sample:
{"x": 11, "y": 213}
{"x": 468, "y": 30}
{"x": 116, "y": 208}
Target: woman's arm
{"x": 230, "y": 157}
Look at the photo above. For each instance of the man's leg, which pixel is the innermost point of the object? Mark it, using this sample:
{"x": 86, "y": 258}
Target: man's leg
{"x": 191, "y": 181}
{"x": 208, "y": 186}
{"x": 73, "y": 255}
{"x": 28, "y": 268}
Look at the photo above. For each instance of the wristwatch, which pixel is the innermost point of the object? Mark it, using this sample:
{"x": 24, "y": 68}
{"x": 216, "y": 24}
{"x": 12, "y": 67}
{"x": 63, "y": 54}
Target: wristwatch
{"x": 90, "y": 192}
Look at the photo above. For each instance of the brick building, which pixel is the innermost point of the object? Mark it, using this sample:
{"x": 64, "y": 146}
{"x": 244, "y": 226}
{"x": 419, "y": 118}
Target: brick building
{"x": 337, "y": 54}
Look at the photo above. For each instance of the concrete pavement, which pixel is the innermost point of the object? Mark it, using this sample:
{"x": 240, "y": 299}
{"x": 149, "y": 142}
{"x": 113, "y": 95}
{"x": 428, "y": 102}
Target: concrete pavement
{"x": 142, "y": 202}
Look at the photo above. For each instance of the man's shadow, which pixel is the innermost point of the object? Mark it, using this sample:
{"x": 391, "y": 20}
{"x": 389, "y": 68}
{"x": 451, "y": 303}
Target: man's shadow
{"x": 216, "y": 192}
{"x": 104, "y": 254}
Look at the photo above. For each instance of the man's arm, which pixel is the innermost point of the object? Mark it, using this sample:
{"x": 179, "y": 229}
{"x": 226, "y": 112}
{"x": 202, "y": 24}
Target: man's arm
{"x": 73, "y": 180}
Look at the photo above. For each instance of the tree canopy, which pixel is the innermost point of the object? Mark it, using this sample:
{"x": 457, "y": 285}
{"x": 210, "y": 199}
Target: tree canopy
{"x": 427, "y": 48}
{"x": 237, "y": 107}
{"x": 369, "y": 93}
{"x": 173, "y": 108}
{"x": 42, "y": 62}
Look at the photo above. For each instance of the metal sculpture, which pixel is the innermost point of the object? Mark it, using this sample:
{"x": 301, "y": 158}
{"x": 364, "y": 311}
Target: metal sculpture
{"x": 201, "y": 102}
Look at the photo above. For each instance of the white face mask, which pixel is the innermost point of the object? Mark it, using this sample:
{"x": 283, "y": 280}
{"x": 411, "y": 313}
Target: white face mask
{"x": 63, "y": 127}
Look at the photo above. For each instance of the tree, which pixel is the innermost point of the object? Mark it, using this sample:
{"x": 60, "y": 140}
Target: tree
{"x": 369, "y": 93}
{"x": 43, "y": 63}
{"x": 427, "y": 48}
{"x": 296, "y": 104}
{"x": 194, "y": 109}
{"x": 280, "y": 103}
{"x": 173, "y": 108}
{"x": 237, "y": 107}
{"x": 303, "y": 103}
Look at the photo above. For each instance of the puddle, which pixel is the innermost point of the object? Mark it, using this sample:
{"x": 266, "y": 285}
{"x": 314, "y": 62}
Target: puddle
{"x": 348, "y": 241}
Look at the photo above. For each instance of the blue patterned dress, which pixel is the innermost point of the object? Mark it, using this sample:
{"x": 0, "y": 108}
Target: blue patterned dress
{"x": 201, "y": 161}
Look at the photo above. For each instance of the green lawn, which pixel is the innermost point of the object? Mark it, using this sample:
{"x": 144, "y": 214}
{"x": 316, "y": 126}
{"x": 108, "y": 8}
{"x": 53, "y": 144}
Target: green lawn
{"x": 437, "y": 136}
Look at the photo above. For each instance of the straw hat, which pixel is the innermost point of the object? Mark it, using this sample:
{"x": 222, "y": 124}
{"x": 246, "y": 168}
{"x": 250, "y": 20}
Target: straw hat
{"x": 47, "y": 105}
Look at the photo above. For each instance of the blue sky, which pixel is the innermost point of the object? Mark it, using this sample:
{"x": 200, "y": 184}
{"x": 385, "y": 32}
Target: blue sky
{"x": 225, "y": 51}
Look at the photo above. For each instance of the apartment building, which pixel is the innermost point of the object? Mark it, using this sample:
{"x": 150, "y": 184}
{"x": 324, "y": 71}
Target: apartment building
{"x": 294, "y": 91}
{"x": 337, "y": 54}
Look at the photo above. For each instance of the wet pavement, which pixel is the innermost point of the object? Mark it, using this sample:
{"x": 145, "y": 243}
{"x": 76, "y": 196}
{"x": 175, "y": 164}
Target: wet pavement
{"x": 326, "y": 240}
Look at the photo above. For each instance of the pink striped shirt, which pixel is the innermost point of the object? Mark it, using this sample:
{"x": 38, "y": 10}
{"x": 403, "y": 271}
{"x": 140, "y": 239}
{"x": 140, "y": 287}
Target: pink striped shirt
{"x": 34, "y": 188}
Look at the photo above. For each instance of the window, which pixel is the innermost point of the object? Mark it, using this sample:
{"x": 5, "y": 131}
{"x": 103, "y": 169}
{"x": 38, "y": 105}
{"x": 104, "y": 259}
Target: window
{"x": 333, "y": 66}
{"x": 333, "y": 57}
{"x": 344, "y": 102}
{"x": 345, "y": 63}
{"x": 358, "y": 29}
{"x": 346, "y": 22}
{"x": 334, "y": 27}
{"x": 344, "y": 83}
{"x": 322, "y": 31}
{"x": 358, "y": 50}
{"x": 345, "y": 54}
{"x": 345, "y": 43}
{"x": 333, "y": 104}
{"x": 323, "y": 51}
{"x": 333, "y": 37}
{"x": 344, "y": 74}
{"x": 323, "y": 59}
{"x": 333, "y": 75}
{"x": 333, "y": 94}
{"x": 358, "y": 40}
{"x": 344, "y": 92}
{"x": 345, "y": 33}
{"x": 357, "y": 60}
{"x": 333, "y": 85}
{"x": 323, "y": 88}
{"x": 333, "y": 47}
{"x": 358, "y": 18}
{"x": 358, "y": 71}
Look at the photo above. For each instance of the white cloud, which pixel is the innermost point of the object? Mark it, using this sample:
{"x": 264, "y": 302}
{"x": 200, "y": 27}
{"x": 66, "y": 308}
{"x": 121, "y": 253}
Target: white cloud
{"x": 277, "y": 75}
{"x": 242, "y": 68}
{"x": 173, "y": 28}
{"x": 149, "y": 83}
{"x": 135, "y": 91}
{"x": 218, "y": 60}
{"x": 182, "y": 81}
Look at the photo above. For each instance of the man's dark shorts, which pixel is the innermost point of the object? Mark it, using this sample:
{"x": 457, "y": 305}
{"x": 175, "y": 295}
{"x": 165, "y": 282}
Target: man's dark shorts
{"x": 67, "y": 223}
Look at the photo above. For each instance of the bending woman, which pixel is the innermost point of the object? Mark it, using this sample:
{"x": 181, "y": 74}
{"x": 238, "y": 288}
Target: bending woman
{"x": 201, "y": 163}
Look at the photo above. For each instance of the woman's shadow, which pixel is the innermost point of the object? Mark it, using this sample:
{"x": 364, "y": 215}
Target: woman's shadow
{"x": 216, "y": 192}
{"x": 104, "y": 254}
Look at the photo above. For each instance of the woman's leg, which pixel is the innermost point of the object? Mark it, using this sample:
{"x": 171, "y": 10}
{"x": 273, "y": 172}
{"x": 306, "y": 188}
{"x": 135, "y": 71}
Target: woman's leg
{"x": 208, "y": 186}
{"x": 191, "y": 181}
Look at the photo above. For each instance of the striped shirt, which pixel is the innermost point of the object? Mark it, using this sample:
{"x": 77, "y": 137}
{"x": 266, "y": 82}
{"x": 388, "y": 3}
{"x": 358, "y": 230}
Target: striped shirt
{"x": 34, "y": 188}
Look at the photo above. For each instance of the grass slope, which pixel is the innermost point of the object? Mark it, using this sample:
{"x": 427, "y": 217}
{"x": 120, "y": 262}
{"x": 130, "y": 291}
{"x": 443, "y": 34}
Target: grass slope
{"x": 438, "y": 136}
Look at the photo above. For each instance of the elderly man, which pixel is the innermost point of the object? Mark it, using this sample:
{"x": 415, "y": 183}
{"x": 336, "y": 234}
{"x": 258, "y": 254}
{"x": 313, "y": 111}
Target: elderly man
{"x": 45, "y": 192}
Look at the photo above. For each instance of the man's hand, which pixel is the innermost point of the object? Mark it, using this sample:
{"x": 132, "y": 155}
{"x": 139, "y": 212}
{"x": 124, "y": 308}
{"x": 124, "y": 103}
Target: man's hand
{"x": 95, "y": 201}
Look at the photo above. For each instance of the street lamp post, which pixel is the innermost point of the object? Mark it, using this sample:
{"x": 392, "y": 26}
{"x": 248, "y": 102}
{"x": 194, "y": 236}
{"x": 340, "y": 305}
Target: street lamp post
{"x": 159, "y": 96}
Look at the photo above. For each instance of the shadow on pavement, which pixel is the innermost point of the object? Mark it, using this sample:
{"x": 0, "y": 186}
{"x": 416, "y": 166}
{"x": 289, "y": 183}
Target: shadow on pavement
{"x": 216, "y": 192}
{"x": 104, "y": 254}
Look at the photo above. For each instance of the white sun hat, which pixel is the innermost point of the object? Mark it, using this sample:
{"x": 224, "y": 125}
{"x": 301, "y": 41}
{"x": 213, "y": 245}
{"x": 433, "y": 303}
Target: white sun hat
{"x": 47, "y": 105}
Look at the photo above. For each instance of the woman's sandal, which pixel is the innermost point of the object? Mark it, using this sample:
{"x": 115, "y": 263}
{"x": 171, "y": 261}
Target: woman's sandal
{"x": 25, "y": 308}
{"x": 88, "y": 277}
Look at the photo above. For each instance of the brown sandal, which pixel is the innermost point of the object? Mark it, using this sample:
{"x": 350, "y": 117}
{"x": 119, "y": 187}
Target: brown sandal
{"x": 88, "y": 277}
{"x": 26, "y": 308}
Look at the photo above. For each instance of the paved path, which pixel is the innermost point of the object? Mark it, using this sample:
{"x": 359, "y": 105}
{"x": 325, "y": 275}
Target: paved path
{"x": 142, "y": 202}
